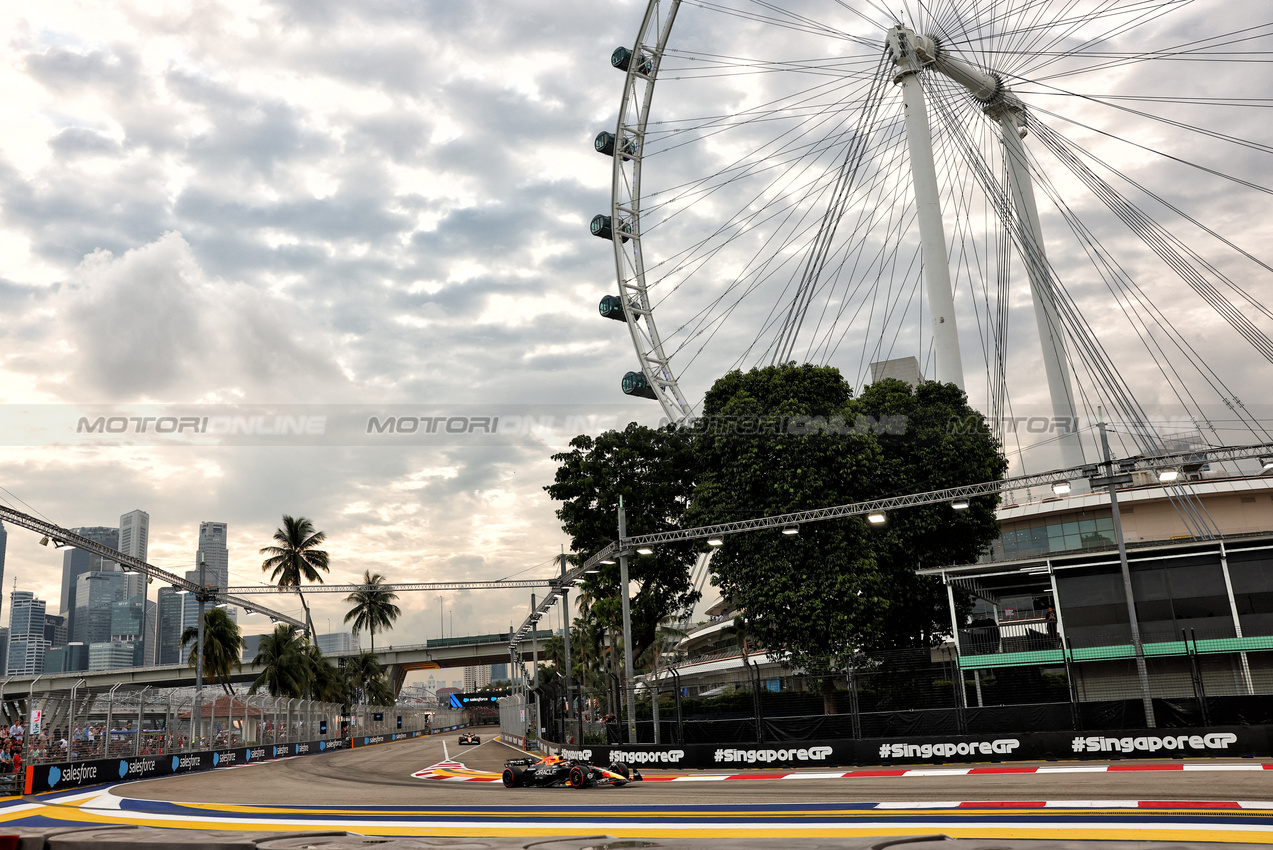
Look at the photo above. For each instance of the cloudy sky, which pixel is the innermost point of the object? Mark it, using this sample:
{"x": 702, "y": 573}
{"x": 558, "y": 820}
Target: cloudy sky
{"x": 338, "y": 210}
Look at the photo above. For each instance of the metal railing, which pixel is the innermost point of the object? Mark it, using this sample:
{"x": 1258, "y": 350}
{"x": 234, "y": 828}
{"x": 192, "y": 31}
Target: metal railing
{"x": 77, "y": 723}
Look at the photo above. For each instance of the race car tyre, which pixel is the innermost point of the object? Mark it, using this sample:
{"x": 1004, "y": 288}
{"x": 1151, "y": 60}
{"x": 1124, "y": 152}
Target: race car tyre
{"x": 621, "y": 769}
{"x": 578, "y": 777}
{"x": 513, "y": 776}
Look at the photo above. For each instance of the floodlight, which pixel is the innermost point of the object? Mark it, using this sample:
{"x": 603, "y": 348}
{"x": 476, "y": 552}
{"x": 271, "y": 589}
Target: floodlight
{"x": 715, "y": 541}
{"x": 960, "y": 504}
{"x": 644, "y": 550}
{"x": 1168, "y": 474}
{"x": 1061, "y": 487}
{"x": 791, "y": 529}
{"x": 876, "y": 517}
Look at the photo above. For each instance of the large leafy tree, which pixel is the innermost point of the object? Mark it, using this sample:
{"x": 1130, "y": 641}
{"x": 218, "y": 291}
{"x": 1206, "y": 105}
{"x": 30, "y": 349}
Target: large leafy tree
{"x": 373, "y": 606}
{"x": 295, "y": 557}
{"x": 789, "y": 438}
{"x": 653, "y": 470}
{"x": 222, "y": 647}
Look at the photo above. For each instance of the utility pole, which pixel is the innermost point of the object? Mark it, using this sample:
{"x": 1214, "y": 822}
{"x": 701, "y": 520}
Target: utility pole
{"x": 630, "y": 684}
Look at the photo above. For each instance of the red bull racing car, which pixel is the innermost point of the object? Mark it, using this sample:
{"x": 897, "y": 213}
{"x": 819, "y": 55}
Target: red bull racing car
{"x": 555, "y": 772}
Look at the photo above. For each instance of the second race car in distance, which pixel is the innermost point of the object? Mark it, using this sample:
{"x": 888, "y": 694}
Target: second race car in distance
{"x": 556, "y": 772}
{"x": 469, "y": 738}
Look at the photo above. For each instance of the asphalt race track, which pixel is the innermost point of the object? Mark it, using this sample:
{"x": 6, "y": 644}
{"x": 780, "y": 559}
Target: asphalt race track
{"x": 373, "y": 791}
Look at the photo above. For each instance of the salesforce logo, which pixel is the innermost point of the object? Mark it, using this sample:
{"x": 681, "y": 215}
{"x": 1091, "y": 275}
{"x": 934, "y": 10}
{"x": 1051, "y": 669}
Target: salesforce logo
{"x": 216, "y": 759}
{"x": 176, "y": 763}
{"x": 248, "y": 756}
{"x": 322, "y": 745}
{"x": 123, "y": 769}
{"x": 55, "y": 776}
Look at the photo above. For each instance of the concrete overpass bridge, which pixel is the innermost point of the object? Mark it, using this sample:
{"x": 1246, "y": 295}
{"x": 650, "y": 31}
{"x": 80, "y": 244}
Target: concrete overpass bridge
{"x": 16, "y": 692}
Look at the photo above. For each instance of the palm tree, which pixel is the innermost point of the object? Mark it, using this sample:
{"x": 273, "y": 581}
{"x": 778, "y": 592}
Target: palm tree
{"x": 222, "y": 647}
{"x": 326, "y": 681}
{"x": 365, "y": 677}
{"x": 283, "y": 662}
{"x": 373, "y": 606}
{"x": 296, "y": 557}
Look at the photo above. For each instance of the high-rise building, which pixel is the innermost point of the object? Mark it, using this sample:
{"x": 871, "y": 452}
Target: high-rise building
{"x": 4, "y": 543}
{"x": 150, "y": 639}
{"x": 215, "y": 553}
{"x": 335, "y": 642}
{"x": 112, "y": 654}
{"x": 66, "y": 659}
{"x": 95, "y": 594}
{"x": 26, "y": 634}
{"x": 476, "y": 678}
{"x": 134, "y": 539}
{"x": 76, "y": 562}
{"x": 55, "y": 629}
{"x": 170, "y": 623}
{"x": 127, "y": 620}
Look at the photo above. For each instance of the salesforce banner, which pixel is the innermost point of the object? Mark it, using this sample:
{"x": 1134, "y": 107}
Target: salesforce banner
{"x": 385, "y": 738}
{"x": 59, "y": 777}
{"x": 1233, "y": 742}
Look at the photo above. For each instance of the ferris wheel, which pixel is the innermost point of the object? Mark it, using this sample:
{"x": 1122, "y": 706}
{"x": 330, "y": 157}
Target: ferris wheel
{"x": 841, "y": 182}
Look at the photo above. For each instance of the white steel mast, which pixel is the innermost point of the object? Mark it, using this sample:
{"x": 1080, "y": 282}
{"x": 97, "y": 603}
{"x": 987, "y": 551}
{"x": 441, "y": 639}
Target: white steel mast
{"x": 912, "y": 53}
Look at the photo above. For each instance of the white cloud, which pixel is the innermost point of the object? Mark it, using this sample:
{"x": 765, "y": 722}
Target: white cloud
{"x": 387, "y": 203}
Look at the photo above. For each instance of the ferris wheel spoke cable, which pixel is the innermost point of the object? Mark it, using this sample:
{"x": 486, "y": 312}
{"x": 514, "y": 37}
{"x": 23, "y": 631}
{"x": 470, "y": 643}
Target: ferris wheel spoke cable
{"x": 1086, "y": 344}
{"x": 1139, "y": 309}
{"x": 835, "y": 210}
{"x": 856, "y": 242}
{"x": 771, "y": 254}
{"x": 1255, "y": 303}
{"x": 1195, "y": 51}
{"x": 758, "y": 160}
{"x": 1161, "y": 242}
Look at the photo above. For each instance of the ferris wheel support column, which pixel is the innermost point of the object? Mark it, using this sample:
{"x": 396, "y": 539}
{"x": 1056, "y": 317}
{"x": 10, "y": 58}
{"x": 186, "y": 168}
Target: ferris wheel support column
{"x": 932, "y": 231}
{"x": 1010, "y": 113}
{"x": 1064, "y": 413}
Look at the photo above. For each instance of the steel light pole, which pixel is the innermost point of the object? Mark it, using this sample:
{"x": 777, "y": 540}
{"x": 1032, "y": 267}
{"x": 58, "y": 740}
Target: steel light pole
{"x": 202, "y": 597}
{"x": 629, "y": 687}
{"x": 565, "y": 632}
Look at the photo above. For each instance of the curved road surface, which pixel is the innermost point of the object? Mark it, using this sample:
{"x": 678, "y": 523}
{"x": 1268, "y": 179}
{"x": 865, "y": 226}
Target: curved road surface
{"x": 381, "y": 775}
{"x": 372, "y": 791}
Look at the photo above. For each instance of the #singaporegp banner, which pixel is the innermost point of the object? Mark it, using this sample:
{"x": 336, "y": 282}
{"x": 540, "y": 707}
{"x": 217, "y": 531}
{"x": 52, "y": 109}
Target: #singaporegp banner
{"x": 1233, "y": 742}
{"x": 59, "y": 777}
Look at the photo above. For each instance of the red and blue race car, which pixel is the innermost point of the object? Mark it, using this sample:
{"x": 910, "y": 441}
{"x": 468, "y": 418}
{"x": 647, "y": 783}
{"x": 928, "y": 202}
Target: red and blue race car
{"x": 556, "y": 772}
{"x": 469, "y": 738}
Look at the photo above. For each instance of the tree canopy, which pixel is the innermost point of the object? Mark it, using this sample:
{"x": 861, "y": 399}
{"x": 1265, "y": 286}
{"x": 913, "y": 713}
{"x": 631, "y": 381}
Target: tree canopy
{"x": 790, "y": 438}
{"x": 653, "y": 471}
{"x": 222, "y": 646}
{"x": 774, "y": 441}
{"x": 373, "y": 606}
